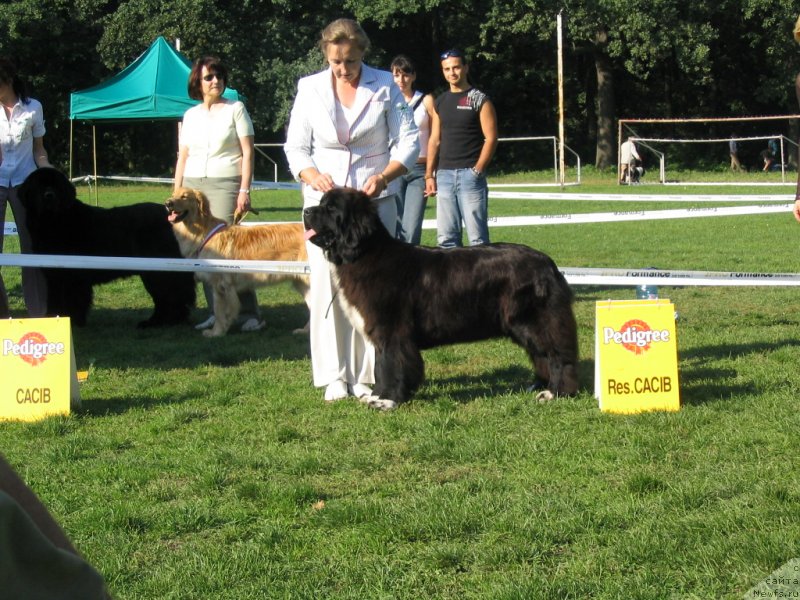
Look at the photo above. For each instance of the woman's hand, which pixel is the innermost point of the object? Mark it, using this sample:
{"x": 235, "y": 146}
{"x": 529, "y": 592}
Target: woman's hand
{"x": 242, "y": 202}
{"x": 796, "y": 210}
{"x": 375, "y": 184}
{"x": 320, "y": 182}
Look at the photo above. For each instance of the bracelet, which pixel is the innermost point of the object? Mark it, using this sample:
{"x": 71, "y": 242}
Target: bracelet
{"x": 244, "y": 191}
{"x": 429, "y": 177}
{"x": 385, "y": 181}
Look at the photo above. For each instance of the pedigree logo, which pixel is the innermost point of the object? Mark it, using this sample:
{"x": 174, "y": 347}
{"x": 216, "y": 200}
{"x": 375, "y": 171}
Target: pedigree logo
{"x": 635, "y": 336}
{"x": 32, "y": 347}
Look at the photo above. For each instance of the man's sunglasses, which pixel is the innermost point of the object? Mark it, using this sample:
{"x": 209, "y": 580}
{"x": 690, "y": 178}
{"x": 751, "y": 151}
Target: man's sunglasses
{"x": 452, "y": 54}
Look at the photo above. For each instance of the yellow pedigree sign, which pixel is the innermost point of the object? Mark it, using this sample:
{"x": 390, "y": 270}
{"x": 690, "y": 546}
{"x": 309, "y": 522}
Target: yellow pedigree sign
{"x": 636, "y": 356}
{"x": 37, "y": 369}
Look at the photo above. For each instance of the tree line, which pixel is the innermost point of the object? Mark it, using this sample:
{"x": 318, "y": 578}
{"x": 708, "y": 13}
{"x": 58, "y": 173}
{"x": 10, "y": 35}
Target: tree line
{"x": 622, "y": 59}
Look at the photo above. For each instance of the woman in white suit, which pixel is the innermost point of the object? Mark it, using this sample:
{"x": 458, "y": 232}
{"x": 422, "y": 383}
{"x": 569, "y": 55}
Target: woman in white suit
{"x": 350, "y": 126}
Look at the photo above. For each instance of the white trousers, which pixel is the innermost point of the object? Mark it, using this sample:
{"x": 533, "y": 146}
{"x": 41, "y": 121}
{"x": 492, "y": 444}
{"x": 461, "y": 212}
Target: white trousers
{"x": 338, "y": 350}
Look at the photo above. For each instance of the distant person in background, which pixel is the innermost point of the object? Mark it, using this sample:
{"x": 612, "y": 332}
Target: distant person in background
{"x": 411, "y": 199}
{"x": 733, "y": 148}
{"x": 769, "y": 155}
{"x": 628, "y": 154}
{"x": 21, "y": 152}
{"x": 215, "y": 156}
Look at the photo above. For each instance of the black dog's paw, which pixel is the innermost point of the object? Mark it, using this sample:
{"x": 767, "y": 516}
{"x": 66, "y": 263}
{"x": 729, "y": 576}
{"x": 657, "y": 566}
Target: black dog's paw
{"x": 539, "y": 388}
{"x": 379, "y": 403}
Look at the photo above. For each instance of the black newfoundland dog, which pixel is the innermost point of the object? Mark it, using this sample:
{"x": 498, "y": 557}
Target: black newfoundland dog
{"x": 59, "y": 223}
{"x": 410, "y": 298}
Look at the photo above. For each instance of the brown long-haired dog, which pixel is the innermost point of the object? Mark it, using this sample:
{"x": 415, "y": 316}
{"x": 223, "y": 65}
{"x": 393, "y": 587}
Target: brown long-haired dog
{"x": 202, "y": 235}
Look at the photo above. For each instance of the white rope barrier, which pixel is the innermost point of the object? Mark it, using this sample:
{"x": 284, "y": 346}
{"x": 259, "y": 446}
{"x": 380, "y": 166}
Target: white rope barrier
{"x": 633, "y": 215}
{"x": 255, "y": 185}
{"x": 11, "y": 229}
{"x": 122, "y": 263}
{"x": 605, "y": 217}
{"x": 575, "y": 276}
{"x": 625, "y": 277}
{"x": 643, "y": 197}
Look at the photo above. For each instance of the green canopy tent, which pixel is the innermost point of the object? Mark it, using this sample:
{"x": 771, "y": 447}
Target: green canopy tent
{"x": 153, "y": 87}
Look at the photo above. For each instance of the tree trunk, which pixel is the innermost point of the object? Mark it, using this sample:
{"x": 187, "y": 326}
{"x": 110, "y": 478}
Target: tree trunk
{"x": 606, "y": 155}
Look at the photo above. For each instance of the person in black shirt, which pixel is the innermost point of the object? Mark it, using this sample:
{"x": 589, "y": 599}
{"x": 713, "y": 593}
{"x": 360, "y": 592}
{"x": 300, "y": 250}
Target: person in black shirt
{"x": 461, "y": 145}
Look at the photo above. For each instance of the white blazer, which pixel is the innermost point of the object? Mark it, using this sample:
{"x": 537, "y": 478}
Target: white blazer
{"x": 384, "y": 130}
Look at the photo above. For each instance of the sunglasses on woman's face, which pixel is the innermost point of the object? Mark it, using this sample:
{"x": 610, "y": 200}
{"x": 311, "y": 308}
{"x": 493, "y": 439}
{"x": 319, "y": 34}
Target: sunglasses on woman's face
{"x": 211, "y": 77}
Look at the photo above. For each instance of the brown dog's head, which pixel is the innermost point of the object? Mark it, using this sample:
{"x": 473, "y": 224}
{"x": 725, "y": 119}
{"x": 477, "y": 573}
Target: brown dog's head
{"x": 187, "y": 205}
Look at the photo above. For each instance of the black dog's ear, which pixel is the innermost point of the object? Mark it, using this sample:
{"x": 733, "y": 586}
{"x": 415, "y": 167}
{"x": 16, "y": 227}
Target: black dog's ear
{"x": 356, "y": 222}
{"x": 60, "y": 191}
{"x": 46, "y": 191}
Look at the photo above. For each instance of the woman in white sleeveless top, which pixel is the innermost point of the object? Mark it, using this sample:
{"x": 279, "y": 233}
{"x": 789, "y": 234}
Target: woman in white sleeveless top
{"x": 411, "y": 199}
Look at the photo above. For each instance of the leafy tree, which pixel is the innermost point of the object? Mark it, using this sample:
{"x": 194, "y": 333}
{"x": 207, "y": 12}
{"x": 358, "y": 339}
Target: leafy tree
{"x": 623, "y": 58}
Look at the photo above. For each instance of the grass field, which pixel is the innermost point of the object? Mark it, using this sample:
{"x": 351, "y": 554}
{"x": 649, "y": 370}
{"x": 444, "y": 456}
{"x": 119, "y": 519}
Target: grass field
{"x": 213, "y": 469}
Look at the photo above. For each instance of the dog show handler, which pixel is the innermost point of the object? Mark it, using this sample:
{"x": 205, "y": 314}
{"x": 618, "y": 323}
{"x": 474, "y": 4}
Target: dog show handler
{"x": 349, "y": 127}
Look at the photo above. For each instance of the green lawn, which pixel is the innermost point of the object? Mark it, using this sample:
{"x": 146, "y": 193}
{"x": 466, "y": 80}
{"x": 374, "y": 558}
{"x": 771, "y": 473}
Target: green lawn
{"x": 213, "y": 469}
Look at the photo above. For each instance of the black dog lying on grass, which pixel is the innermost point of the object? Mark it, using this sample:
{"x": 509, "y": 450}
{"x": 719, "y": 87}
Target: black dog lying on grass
{"x": 59, "y": 223}
{"x": 405, "y": 298}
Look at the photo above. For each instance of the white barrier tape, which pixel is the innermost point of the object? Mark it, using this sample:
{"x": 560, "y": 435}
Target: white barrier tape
{"x": 611, "y": 217}
{"x": 644, "y": 197}
{"x": 633, "y": 215}
{"x": 255, "y": 185}
{"x": 275, "y": 185}
{"x": 153, "y": 264}
{"x": 575, "y": 276}
{"x": 625, "y": 277}
{"x": 728, "y": 183}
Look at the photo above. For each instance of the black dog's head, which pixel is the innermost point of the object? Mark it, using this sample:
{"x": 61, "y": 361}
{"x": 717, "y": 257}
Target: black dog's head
{"x": 46, "y": 192}
{"x": 345, "y": 225}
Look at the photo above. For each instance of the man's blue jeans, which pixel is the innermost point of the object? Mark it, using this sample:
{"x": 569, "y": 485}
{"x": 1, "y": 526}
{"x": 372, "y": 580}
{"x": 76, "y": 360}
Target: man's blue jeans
{"x": 461, "y": 195}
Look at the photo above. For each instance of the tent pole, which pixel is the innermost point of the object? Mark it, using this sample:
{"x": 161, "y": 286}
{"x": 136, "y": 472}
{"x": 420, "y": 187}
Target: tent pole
{"x": 70, "y": 149}
{"x": 94, "y": 158}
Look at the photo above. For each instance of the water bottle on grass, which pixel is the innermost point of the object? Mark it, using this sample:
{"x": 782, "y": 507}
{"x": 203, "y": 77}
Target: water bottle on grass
{"x": 647, "y": 292}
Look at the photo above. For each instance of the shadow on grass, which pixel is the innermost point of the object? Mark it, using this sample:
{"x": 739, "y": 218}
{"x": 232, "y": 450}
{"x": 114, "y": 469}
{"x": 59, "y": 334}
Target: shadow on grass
{"x": 117, "y": 405}
{"x": 111, "y": 339}
{"x": 705, "y": 383}
{"x": 264, "y": 210}
{"x": 514, "y": 379}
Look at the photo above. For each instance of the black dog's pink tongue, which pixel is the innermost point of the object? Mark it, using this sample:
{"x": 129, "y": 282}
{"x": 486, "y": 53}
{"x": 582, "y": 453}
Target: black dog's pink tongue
{"x": 309, "y": 234}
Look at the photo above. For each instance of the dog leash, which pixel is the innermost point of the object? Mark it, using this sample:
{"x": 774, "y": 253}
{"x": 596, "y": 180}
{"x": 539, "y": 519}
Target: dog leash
{"x": 328, "y": 310}
{"x": 211, "y": 234}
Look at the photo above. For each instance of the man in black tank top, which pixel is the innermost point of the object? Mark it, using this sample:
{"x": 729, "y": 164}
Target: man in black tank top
{"x": 462, "y": 142}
